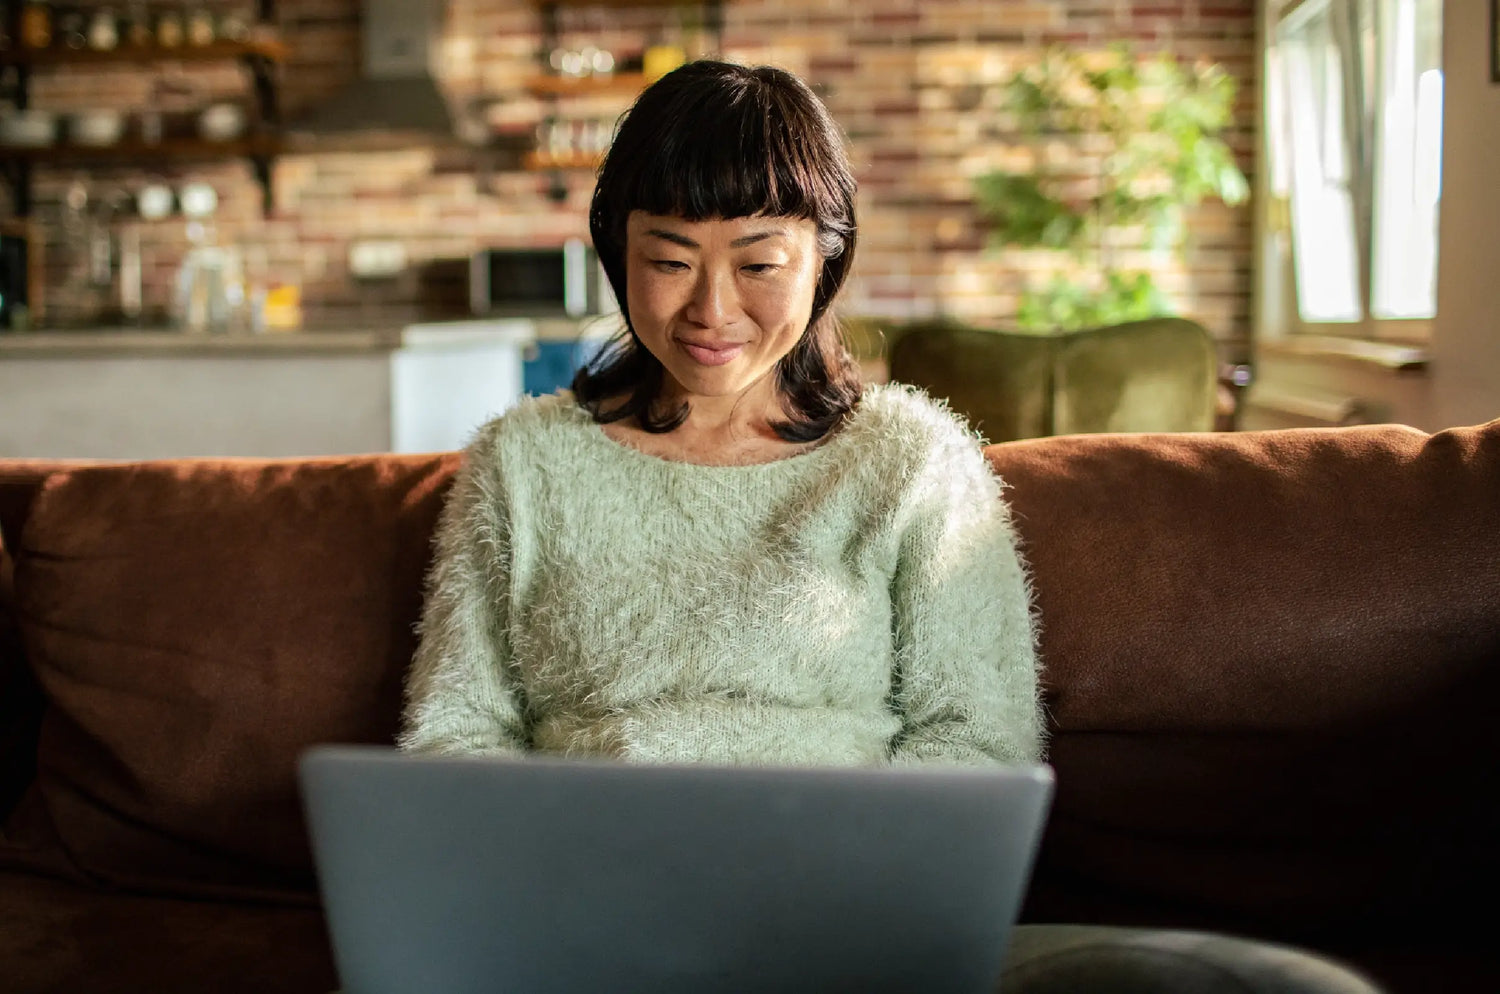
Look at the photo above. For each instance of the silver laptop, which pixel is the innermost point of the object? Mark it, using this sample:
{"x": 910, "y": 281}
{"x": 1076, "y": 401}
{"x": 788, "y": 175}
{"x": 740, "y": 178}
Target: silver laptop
{"x": 468, "y": 875}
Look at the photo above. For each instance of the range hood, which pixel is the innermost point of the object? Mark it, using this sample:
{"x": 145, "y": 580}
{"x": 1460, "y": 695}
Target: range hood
{"x": 396, "y": 97}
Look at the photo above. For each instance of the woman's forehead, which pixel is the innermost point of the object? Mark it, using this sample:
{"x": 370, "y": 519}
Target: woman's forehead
{"x": 758, "y": 226}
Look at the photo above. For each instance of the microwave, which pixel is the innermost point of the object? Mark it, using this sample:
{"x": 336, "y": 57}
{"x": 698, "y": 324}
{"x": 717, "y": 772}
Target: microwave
{"x": 567, "y": 281}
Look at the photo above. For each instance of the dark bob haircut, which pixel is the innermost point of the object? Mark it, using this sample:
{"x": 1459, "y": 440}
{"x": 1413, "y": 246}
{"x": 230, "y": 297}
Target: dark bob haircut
{"x": 714, "y": 140}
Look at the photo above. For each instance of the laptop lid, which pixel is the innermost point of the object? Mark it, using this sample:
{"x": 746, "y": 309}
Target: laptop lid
{"x": 469, "y": 875}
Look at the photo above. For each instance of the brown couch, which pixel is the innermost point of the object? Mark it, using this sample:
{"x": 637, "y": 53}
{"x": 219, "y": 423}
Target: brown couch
{"x": 1271, "y": 663}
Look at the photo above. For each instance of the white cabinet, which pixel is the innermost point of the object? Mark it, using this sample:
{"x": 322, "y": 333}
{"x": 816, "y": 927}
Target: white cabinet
{"x": 448, "y": 379}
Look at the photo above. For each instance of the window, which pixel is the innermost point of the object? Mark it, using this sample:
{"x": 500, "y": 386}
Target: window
{"x": 1408, "y": 167}
{"x": 1354, "y": 138}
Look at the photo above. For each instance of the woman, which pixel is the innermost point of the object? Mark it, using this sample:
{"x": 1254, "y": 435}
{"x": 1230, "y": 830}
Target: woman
{"x": 718, "y": 547}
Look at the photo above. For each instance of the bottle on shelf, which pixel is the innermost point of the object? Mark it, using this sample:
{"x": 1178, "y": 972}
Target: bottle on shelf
{"x": 697, "y": 40}
{"x": 138, "y": 33}
{"x": 663, "y": 55}
{"x": 199, "y": 27}
{"x": 169, "y": 29}
{"x": 36, "y": 24}
{"x": 257, "y": 269}
{"x": 131, "y": 297}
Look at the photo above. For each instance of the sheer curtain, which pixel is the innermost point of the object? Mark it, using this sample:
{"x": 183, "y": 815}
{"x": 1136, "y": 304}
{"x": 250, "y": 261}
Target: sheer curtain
{"x": 1354, "y": 128}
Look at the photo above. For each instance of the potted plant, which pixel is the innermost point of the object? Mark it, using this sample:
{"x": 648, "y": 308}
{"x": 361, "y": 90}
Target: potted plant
{"x": 1120, "y": 147}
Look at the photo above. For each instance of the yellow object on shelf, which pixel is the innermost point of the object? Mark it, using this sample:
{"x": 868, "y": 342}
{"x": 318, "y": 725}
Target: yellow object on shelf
{"x": 658, "y": 60}
{"x": 283, "y": 308}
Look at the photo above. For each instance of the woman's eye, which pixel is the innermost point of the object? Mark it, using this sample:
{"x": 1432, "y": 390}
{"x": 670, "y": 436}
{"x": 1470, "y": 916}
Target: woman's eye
{"x": 761, "y": 268}
{"x": 669, "y": 265}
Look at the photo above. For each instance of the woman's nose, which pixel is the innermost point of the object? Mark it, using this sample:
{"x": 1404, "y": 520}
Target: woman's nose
{"x": 713, "y": 299}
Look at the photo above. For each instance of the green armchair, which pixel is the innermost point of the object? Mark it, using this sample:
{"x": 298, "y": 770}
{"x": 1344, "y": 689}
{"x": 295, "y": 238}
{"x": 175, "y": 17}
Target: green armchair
{"x": 1155, "y": 375}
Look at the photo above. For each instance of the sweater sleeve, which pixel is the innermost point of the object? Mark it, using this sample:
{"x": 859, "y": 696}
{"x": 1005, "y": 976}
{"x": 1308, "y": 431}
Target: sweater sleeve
{"x": 463, "y": 695}
{"x": 965, "y": 684}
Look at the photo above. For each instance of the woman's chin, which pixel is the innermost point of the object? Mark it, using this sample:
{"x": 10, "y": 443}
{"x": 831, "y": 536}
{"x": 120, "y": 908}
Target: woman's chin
{"x": 707, "y": 382}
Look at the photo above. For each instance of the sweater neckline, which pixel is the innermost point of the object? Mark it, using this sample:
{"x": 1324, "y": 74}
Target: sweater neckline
{"x": 816, "y": 454}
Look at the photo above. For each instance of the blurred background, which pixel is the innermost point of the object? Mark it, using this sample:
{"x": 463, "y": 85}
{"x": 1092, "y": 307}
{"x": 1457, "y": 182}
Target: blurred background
{"x": 269, "y": 228}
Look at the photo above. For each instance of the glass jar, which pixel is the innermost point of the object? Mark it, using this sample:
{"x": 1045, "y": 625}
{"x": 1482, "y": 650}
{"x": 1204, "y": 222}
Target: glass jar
{"x": 73, "y": 29}
{"x": 235, "y": 26}
{"x": 104, "y": 30}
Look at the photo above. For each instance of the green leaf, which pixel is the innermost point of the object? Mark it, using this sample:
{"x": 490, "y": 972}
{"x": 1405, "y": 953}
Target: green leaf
{"x": 1023, "y": 213}
{"x": 1233, "y": 188}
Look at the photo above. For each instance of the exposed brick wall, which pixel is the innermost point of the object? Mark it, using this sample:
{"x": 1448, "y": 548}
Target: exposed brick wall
{"x": 913, "y": 82}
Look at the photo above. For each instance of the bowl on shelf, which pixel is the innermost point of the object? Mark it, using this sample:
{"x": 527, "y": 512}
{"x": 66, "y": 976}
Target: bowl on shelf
{"x": 28, "y": 128}
{"x": 222, "y": 122}
{"x": 96, "y": 127}
{"x": 155, "y": 201}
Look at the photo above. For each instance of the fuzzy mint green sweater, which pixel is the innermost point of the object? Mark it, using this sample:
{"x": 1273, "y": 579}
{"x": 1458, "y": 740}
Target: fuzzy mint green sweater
{"x": 860, "y": 603}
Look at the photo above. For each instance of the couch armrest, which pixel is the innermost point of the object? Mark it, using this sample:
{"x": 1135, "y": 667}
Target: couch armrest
{"x": 20, "y": 698}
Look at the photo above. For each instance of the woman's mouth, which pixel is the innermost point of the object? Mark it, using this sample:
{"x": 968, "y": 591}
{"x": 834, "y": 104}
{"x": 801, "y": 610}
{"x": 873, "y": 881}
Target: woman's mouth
{"x": 713, "y": 354}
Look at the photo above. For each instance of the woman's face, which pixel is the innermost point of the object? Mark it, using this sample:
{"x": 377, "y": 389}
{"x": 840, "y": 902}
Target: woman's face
{"x": 719, "y": 302}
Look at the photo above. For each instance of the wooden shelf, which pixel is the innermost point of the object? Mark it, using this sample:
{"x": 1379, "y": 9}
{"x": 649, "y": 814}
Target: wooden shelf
{"x": 556, "y": 88}
{"x": 541, "y": 161}
{"x": 272, "y": 49}
{"x": 578, "y": 86}
{"x": 258, "y": 56}
{"x": 137, "y": 151}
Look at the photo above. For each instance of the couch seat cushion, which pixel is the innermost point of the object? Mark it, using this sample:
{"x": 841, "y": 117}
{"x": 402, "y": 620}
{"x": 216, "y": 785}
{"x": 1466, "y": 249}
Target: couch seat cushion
{"x": 63, "y": 938}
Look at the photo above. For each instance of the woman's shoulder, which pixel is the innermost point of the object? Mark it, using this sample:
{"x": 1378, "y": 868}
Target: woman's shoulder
{"x": 918, "y": 445}
{"x": 902, "y": 416}
{"x": 530, "y": 423}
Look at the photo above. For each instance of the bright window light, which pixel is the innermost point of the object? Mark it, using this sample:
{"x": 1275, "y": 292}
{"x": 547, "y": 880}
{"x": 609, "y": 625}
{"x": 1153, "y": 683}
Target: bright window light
{"x": 1324, "y": 239}
{"x": 1408, "y": 165}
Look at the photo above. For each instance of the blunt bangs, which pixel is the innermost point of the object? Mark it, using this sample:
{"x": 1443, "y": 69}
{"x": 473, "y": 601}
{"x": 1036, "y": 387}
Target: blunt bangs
{"x": 760, "y": 145}
{"x": 744, "y": 162}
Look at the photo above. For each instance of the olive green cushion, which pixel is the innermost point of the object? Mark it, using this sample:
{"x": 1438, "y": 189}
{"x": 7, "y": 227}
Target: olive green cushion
{"x": 1086, "y": 959}
{"x": 1000, "y": 382}
{"x": 1156, "y": 375}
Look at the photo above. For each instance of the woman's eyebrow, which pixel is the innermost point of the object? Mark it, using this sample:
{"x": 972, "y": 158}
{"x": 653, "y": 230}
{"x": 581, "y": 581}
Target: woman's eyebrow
{"x": 758, "y": 236}
{"x": 741, "y": 242}
{"x": 673, "y": 237}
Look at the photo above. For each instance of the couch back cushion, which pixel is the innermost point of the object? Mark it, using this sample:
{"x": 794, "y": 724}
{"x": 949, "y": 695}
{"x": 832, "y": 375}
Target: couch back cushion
{"x": 194, "y": 626}
{"x": 1271, "y": 660}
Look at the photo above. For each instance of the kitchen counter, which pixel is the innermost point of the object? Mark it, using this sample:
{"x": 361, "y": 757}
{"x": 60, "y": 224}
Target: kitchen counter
{"x": 131, "y": 394}
{"x": 109, "y": 341}
{"x": 135, "y": 341}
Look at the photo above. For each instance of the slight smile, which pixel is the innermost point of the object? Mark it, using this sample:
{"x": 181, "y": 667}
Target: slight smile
{"x": 713, "y": 353}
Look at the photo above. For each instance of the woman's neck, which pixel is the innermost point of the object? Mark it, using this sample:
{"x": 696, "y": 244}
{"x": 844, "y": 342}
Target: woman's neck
{"x": 717, "y": 430}
{"x": 740, "y": 417}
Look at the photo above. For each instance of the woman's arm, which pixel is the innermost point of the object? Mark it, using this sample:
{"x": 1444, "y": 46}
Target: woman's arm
{"x": 462, "y": 693}
{"x": 966, "y": 669}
